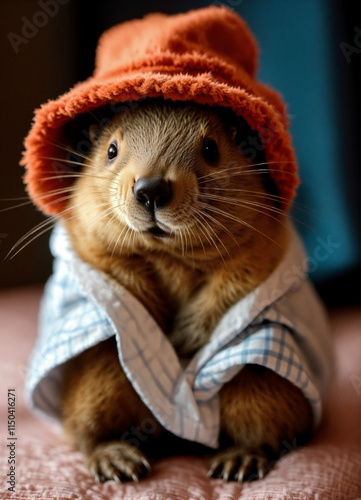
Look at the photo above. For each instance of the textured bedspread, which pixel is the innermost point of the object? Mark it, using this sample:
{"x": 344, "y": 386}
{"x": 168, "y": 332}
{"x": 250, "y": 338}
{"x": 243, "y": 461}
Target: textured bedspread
{"x": 46, "y": 468}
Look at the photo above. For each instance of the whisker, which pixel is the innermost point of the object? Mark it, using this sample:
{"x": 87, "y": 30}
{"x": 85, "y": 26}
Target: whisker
{"x": 82, "y": 188}
{"x": 54, "y": 192}
{"x": 89, "y": 164}
{"x": 51, "y": 222}
{"x": 240, "y": 221}
{"x": 63, "y": 160}
{"x": 271, "y": 197}
{"x": 200, "y": 225}
{"x": 19, "y": 198}
{"x": 190, "y": 233}
{"x": 222, "y": 226}
{"x": 198, "y": 235}
{"x": 218, "y": 238}
{"x": 110, "y": 221}
{"x": 250, "y": 205}
{"x": 10, "y": 256}
{"x": 276, "y": 210}
{"x": 68, "y": 196}
{"x": 133, "y": 236}
{"x": 262, "y": 194}
{"x": 225, "y": 174}
{"x": 98, "y": 217}
{"x": 245, "y": 166}
{"x": 76, "y": 175}
{"x": 39, "y": 227}
{"x": 117, "y": 240}
{"x": 72, "y": 151}
{"x": 182, "y": 243}
{"x": 186, "y": 243}
{"x": 125, "y": 237}
{"x": 19, "y": 205}
{"x": 143, "y": 238}
{"x": 215, "y": 234}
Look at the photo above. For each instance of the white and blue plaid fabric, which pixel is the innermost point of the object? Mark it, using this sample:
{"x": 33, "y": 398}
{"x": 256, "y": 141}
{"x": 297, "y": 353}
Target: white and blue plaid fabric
{"x": 281, "y": 325}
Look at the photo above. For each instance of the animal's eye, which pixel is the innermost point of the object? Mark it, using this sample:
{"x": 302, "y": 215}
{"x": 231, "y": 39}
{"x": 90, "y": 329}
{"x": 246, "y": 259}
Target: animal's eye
{"x": 112, "y": 151}
{"x": 210, "y": 150}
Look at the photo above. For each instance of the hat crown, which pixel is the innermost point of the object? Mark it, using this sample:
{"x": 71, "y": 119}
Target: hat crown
{"x": 213, "y": 34}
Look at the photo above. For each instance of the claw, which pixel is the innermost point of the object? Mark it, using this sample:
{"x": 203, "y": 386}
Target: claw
{"x": 212, "y": 470}
{"x": 146, "y": 464}
{"x": 260, "y": 474}
{"x": 239, "y": 464}
{"x": 239, "y": 476}
{"x": 118, "y": 461}
{"x": 227, "y": 470}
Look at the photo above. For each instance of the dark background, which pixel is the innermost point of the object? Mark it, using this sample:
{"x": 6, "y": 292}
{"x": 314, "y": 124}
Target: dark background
{"x": 309, "y": 51}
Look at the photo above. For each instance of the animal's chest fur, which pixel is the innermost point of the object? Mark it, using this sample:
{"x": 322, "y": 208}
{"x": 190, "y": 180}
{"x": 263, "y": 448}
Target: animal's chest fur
{"x": 197, "y": 299}
{"x": 177, "y": 281}
{"x": 177, "y": 285}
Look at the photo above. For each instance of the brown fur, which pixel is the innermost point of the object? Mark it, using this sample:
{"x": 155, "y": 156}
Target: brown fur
{"x": 222, "y": 240}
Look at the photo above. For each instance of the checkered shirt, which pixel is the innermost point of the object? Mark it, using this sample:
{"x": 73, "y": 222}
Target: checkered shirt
{"x": 281, "y": 325}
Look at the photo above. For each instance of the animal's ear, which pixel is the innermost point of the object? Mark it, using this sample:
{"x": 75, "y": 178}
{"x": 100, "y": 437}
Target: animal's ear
{"x": 94, "y": 133}
{"x": 233, "y": 132}
{"x": 242, "y": 131}
{"x": 236, "y": 126}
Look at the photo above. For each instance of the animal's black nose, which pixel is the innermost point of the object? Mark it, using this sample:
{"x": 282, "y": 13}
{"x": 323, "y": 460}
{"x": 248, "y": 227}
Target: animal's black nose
{"x": 152, "y": 192}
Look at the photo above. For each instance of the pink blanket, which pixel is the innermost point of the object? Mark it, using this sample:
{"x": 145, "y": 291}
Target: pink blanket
{"x": 46, "y": 468}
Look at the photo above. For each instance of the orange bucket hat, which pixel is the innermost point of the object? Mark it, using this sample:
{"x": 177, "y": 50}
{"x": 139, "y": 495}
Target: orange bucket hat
{"x": 207, "y": 56}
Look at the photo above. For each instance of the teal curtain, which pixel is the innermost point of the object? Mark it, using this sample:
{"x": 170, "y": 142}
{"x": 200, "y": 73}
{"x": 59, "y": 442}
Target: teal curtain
{"x": 300, "y": 48}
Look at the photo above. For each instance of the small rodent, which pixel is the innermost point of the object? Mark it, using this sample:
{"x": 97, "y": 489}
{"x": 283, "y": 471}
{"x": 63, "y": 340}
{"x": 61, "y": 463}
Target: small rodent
{"x": 167, "y": 205}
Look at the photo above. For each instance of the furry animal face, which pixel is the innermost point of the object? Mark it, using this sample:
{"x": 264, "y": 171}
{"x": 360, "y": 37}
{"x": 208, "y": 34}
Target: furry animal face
{"x": 171, "y": 177}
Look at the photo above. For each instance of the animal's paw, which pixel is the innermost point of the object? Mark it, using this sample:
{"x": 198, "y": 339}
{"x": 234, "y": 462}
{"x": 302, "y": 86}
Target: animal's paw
{"x": 118, "y": 461}
{"x": 239, "y": 464}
